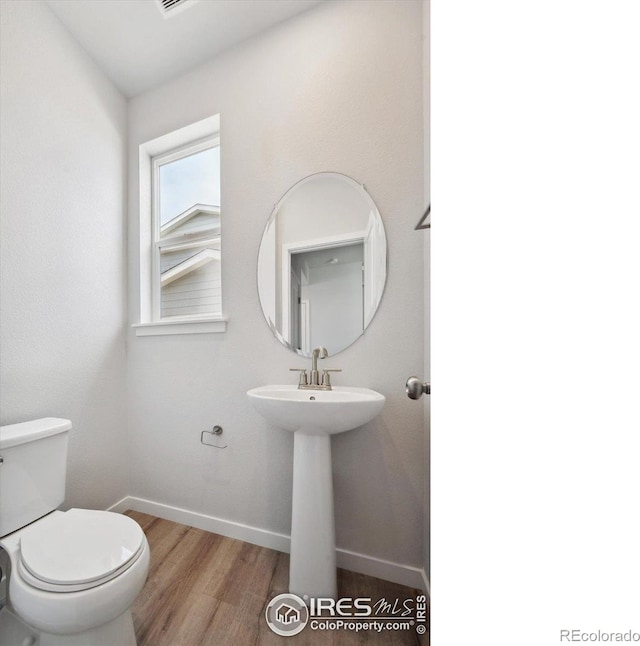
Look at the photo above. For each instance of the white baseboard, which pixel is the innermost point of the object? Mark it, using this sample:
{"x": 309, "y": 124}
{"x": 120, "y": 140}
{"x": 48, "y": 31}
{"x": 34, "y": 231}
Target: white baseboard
{"x": 262, "y": 537}
{"x": 388, "y": 570}
{"x": 381, "y": 569}
{"x": 120, "y": 506}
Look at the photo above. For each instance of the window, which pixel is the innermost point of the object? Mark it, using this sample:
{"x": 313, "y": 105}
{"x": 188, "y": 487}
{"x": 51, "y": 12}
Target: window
{"x": 180, "y": 233}
{"x": 186, "y": 223}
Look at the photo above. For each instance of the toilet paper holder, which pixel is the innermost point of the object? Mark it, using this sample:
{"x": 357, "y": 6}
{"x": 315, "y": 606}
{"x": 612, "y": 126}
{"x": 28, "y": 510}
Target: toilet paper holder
{"x": 216, "y": 431}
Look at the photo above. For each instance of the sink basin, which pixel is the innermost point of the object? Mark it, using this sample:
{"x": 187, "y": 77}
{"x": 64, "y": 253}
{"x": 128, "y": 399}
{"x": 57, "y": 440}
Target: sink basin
{"x": 317, "y": 412}
{"x": 314, "y": 416}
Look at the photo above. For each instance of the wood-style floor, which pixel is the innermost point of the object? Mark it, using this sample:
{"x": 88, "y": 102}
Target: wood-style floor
{"x": 204, "y": 589}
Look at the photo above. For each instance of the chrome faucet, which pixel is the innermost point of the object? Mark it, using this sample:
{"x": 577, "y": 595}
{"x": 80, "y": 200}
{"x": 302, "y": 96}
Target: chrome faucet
{"x": 318, "y": 353}
{"x": 315, "y": 382}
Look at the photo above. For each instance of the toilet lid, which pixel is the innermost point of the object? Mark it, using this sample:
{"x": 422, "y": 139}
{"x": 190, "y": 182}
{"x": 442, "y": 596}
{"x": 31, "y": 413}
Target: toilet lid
{"x": 80, "y": 546}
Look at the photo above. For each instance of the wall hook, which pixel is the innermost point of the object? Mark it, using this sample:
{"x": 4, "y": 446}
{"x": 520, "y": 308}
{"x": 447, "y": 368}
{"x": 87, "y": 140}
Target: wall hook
{"x": 215, "y": 431}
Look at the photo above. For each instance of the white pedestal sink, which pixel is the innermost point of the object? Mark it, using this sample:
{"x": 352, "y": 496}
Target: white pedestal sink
{"x": 313, "y": 416}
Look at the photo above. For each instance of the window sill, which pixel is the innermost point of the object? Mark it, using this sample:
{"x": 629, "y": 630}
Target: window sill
{"x": 185, "y": 326}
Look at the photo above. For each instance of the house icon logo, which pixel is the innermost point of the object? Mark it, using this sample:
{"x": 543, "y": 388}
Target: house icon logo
{"x": 286, "y": 615}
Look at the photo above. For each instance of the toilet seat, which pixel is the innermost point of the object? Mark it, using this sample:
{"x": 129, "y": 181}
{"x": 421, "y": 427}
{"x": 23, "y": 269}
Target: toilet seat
{"x": 78, "y": 549}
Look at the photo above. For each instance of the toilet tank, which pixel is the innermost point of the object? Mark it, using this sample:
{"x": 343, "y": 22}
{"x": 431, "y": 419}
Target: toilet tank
{"x": 33, "y": 470}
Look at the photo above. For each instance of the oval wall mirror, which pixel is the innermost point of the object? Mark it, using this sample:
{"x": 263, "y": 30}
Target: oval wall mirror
{"x": 322, "y": 264}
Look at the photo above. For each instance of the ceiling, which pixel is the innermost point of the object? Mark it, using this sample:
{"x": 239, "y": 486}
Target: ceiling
{"x": 139, "y": 48}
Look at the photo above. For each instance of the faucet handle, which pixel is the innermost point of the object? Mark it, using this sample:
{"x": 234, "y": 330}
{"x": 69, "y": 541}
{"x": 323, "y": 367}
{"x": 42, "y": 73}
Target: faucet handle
{"x": 326, "y": 377}
{"x": 303, "y": 375}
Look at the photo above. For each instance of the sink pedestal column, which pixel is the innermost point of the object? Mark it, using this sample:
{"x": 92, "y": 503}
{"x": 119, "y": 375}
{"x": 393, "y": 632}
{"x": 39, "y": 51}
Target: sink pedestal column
{"x": 312, "y": 568}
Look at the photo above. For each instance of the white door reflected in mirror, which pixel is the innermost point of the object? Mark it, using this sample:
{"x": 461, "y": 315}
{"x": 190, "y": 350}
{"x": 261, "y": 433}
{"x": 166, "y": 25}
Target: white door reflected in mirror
{"x": 322, "y": 264}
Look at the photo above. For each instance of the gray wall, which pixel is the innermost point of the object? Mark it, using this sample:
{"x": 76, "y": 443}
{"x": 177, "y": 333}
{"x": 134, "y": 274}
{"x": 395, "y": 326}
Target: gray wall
{"x": 63, "y": 130}
{"x": 336, "y": 89}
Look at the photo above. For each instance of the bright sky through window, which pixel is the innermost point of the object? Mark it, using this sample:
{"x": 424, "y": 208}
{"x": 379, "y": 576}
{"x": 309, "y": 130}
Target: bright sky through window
{"x": 188, "y": 181}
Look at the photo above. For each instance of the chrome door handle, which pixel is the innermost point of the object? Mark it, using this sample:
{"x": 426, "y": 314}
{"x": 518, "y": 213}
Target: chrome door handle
{"x": 415, "y": 388}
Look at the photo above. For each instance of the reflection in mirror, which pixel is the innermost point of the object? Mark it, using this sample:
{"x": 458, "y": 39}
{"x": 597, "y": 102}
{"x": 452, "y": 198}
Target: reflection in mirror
{"x": 322, "y": 264}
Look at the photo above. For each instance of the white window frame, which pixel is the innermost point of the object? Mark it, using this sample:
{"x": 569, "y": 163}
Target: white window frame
{"x": 173, "y": 242}
{"x": 153, "y": 154}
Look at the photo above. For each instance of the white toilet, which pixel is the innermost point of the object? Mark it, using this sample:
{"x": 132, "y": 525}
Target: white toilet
{"x": 73, "y": 575}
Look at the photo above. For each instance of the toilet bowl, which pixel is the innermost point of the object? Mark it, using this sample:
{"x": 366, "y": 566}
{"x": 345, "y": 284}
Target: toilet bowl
{"x": 64, "y": 585}
{"x": 73, "y": 575}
